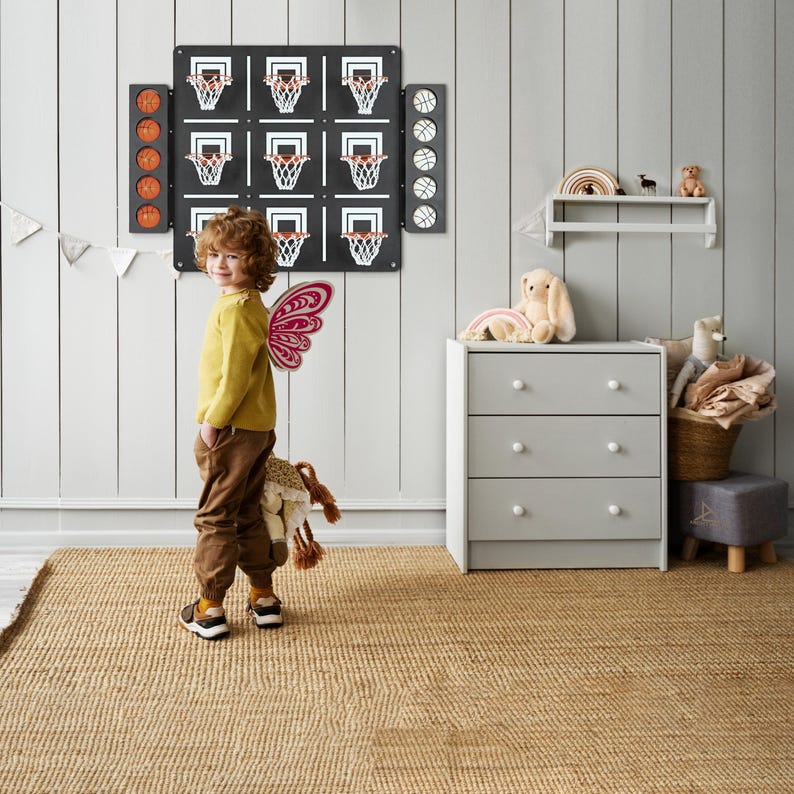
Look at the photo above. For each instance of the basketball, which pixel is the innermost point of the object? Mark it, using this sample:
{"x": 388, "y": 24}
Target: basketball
{"x": 424, "y": 130}
{"x": 424, "y": 158}
{"x": 424, "y": 100}
{"x": 148, "y": 100}
{"x": 424, "y": 216}
{"x": 147, "y": 158}
{"x": 148, "y": 187}
{"x": 424, "y": 187}
{"x": 148, "y": 130}
{"x": 148, "y": 216}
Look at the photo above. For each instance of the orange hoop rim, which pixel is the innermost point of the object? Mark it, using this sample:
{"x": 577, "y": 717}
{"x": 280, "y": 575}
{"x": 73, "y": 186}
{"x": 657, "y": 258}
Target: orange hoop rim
{"x": 273, "y": 79}
{"x": 193, "y": 79}
{"x": 290, "y": 235}
{"x": 364, "y": 158}
{"x": 204, "y": 158}
{"x": 373, "y": 79}
{"x": 363, "y": 235}
{"x": 286, "y": 159}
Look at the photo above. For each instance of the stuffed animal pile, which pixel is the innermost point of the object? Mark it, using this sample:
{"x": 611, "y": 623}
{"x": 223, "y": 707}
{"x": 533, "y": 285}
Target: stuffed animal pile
{"x": 543, "y": 314}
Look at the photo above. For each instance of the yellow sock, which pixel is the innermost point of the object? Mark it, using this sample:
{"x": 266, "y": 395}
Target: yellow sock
{"x": 205, "y": 603}
{"x": 260, "y": 592}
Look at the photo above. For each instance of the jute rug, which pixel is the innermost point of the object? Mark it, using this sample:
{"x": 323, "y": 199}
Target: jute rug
{"x": 394, "y": 673}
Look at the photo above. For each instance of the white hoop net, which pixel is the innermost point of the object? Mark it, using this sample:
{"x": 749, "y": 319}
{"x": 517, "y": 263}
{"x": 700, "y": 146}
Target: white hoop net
{"x": 289, "y": 246}
{"x": 364, "y": 246}
{"x": 285, "y": 90}
{"x": 208, "y": 88}
{"x": 365, "y": 90}
{"x": 364, "y": 168}
{"x": 209, "y": 166}
{"x": 286, "y": 168}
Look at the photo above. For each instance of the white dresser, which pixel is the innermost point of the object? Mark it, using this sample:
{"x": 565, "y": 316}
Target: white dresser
{"x": 556, "y": 455}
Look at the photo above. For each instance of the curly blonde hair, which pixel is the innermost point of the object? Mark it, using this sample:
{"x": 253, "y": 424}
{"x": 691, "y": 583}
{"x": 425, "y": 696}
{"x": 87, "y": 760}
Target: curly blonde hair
{"x": 248, "y": 232}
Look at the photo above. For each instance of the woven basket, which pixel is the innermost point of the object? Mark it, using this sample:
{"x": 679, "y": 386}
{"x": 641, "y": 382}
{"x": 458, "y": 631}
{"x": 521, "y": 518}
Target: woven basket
{"x": 697, "y": 447}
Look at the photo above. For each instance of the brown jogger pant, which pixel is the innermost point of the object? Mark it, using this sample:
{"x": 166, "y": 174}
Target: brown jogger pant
{"x": 229, "y": 518}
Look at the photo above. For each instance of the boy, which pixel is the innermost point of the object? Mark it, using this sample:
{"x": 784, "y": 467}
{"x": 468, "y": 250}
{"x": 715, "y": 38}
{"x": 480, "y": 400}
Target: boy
{"x": 237, "y": 414}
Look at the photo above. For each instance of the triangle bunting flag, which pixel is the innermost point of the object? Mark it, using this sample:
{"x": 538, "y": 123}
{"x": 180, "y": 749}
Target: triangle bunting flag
{"x": 22, "y": 227}
{"x": 122, "y": 259}
{"x": 72, "y": 247}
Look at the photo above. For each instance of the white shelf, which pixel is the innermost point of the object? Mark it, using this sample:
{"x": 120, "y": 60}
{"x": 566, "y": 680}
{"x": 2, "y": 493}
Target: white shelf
{"x": 708, "y": 228}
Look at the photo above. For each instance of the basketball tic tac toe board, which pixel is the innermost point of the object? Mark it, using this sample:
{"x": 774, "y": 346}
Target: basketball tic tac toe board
{"x": 309, "y": 136}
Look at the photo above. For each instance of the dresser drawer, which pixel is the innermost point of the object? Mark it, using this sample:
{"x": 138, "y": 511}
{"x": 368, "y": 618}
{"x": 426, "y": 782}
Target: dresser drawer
{"x": 564, "y": 509}
{"x": 563, "y": 383}
{"x": 564, "y": 446}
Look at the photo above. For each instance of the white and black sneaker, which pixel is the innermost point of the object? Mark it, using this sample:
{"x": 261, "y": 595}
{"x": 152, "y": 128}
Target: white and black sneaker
{"x": 266, "y": 613}
{"x": 209, "y": 625}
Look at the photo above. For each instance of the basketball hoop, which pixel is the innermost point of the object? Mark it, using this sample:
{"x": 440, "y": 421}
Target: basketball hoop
{"x": 289, "y": 246}
{"x": 209, "y": 165}
{"x": 286, "y": 168}
{"x": 365, "y": 90}
{"x": 285, "y": 89}
{"x": 208, "y": 88}
{"x": 364, "y": 168}
{"x": 364, "y": 246}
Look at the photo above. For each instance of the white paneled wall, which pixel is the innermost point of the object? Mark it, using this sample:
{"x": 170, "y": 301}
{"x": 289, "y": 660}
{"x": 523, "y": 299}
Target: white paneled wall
{"x": 98, "y": 373}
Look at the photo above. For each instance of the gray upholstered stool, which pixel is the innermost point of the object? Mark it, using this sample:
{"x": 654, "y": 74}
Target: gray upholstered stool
{"x": 740, "y": 511}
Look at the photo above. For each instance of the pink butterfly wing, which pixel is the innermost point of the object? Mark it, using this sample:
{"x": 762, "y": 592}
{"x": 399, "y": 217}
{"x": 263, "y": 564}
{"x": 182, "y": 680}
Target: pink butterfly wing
{"x": 293, "y": 318}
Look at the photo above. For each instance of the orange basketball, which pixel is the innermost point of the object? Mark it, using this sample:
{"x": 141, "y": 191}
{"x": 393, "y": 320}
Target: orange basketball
{"x": 148, "y": 216}
{"x": 147, "y": 158}
{"x": 148, "y": 187}
{"x": 148, "y": 130}
{"x": 148, "y": 100}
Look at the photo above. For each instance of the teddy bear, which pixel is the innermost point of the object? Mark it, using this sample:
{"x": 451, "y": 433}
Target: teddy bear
{"x": 689, "y": 184}
{"x": 707, "y": 337}
{"x": 543, "y": 313}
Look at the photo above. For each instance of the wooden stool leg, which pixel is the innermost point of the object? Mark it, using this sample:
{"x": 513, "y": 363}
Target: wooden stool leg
{"x": 689, "y": 548}
{"x": 736, "y": 559}
{"x": 766, "y": 552}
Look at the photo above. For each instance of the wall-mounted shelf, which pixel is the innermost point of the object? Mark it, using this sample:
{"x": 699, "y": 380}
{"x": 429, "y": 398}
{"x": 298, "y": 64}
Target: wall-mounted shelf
{"x": 708, "y": 227}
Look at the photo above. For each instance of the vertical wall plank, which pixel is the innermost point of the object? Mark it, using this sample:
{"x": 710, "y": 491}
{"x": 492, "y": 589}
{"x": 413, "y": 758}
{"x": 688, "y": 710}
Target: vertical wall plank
{"x": 591, "y": 139}
{"x": 317, "y": 389}
{"x": 428, "y": 270}
{"x": 29, "y": 182}
{"x": 146, "y": 321}
{"x": 697, "y": 68}
{"x": 482, "y": 163}
{"x": 644, "y": 147}
{"x": 195, "y": 293}
{"x": 89, "y": 442}
{"x": 749, "y": 217}
{"x": 784, "y": 243}
{"x": 372, "y": 327}
{"x": 536, "y": 139}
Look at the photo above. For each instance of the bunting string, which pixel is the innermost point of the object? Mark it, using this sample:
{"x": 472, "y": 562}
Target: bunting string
{"x": 23, "y": 227}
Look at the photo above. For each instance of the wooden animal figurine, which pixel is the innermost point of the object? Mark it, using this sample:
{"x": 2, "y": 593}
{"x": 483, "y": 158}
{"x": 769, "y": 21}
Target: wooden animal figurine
{"x": 648, "y": 185}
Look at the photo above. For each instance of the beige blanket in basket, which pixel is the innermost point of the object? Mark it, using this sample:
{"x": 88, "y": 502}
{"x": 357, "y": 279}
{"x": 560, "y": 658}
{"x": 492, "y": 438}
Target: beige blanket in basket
{"x": 733, "y": 391}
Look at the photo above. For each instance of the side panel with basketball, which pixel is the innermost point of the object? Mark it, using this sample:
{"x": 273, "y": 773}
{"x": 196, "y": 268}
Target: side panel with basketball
{"x": 89, "y": 288}
{"x": 146, "y": 304}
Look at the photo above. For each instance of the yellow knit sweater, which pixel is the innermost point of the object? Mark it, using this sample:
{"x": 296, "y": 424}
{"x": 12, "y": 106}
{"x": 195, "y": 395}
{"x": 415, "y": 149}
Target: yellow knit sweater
{"x": 235, "y": 379}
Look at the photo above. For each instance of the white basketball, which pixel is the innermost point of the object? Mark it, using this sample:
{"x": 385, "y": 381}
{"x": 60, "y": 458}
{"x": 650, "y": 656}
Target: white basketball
{"x": 424, "y": 158}
{"x": 424, "y": 187}
{"x": 424, "y": 130}
{"x": 424, "y": 100}
{"x": 424, "y": 216}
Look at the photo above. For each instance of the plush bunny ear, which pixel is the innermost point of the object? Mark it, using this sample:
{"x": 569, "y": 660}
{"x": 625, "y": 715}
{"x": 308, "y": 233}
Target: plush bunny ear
{"x": 561, "y": 310}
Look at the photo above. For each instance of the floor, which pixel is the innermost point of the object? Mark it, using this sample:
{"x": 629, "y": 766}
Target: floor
{"x": 18, "y": 569}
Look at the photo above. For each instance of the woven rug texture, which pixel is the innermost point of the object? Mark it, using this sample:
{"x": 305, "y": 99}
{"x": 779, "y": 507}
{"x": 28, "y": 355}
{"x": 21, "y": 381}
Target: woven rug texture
{"x": 395, "y": 673}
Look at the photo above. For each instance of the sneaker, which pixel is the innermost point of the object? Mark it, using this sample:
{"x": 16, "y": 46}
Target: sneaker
{"x": 266, "y": 613}
{"x": 209, "y": 625}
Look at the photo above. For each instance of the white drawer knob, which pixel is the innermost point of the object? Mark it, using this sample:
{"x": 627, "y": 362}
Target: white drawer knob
{"x": 518, "y": 447}
{"x": 518, "y": 385}
{"x": 614, "y": 385}
{"x": 613, "y": 446}
{"x": 518, "y": 510}
{"x": 614, "y": 510}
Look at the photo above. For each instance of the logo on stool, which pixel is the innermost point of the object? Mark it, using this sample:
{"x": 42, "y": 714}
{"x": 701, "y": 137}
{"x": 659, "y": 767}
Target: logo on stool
{"x": 707, "y": 517}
